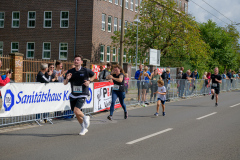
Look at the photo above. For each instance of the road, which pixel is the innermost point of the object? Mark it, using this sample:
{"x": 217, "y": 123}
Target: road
{"x": 193, "y": 129}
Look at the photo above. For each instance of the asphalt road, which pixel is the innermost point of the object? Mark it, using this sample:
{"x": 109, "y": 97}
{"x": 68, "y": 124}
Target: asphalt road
{"x": 193, "y": 129}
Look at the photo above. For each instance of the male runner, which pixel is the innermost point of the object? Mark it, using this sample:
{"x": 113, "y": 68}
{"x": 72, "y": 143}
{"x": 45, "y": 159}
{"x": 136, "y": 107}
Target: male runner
{"x": 215, "y": 88}
{"x": 80, "y": 78}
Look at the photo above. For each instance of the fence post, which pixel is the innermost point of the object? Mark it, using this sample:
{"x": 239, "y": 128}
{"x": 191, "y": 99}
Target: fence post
{"x": 16, "y": 65}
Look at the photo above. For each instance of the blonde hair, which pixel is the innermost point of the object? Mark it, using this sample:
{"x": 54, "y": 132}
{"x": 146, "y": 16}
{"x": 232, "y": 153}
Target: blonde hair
{"x": 160, "y": 82}
{"x": 168, "y": 70}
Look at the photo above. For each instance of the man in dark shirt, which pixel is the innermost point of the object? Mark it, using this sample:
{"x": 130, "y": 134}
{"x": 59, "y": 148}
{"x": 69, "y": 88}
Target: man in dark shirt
{"x": 137, "y": 74}
{"x": 215, "y": 87}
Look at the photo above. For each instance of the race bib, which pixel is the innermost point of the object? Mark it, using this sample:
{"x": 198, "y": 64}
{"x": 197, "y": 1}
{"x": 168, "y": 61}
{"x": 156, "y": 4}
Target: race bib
{"x": 77, "y": 89}
{"x": 154, "y": 79}
{"x": 116, "y": 87}
{"x": 214, "y": 84}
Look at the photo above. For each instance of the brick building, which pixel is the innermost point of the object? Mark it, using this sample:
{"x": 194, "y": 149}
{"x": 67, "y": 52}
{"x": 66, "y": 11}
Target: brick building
{"x": 49, "y": 29}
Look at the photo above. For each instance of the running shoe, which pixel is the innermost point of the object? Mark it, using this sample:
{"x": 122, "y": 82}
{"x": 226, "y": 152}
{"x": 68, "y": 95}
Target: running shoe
{"x": 216, "y": 104}
{"x": 87, "y": 121}
{"x": 212, "y": 97}
{"x": 83, "y": 131}
{"x": 156, "y": 114}
{"x": 125, "y": 115}
{"x": 110, "y": 118}
{"x": 146, "y": 102}
{"x": 163, "y": 113}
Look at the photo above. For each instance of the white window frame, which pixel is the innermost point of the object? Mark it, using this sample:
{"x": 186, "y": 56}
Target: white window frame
{"x": 108, "y": 54}
{"x": 31, "y": 50}
{"x": 125, "y": 27}
{"x": 102, "y": 53}
{"x": 31, "y": 19}
{"x": 1, "y": 49}
{"x": 121, "y": 3}
{"x": 114, "y": 54}
{"x": 185, "y": 7}
{"x": 63, "y": 50}
{"x": 120, "y": 24}
{"x": 43, "y": 50}
{"x": 14, "y": 50}
{"x": 116, "y": 2}
{"x": 136, "y": 5}
{"x": 47, "y": 19}
{"x": 16, "y": 19}
{"x": 119, "y": 54}
{"x": 131, "y": 5}
{"x": 2, "y": 20}
{"x": 110, "y": 1}
{"x": 126, "y": 4}
{"x": 110, "y": 24}
{"x": 103, "y": 22}
{"x": 64, "y": 19}
{"x": 124, "y": 56}
{"x": 115, "y": 27}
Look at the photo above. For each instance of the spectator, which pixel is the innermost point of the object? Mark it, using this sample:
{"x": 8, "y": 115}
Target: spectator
{"x": 126, "y": 82}
{"x": 229, "y": 82}
{"x": 137, "y": 75}
{"x": 144, "y": 77}
{"x": 179, "y": 82}
{"x": 59, "y": 71}
{"x": 165, "y": 77}
{"x": 41, "y": 76}
{"x": 5, "y": 75}
{"x": 205, "y": 83}
{"x": 185, "y": 81}
{"x": 6, "y": 80}
{"x": 53, "y": 75}
{"x": 195, "y": 74}
{"x": 105, "y": 73}
{"x": 224, "y": 77}
{"x": 154, "y": 85}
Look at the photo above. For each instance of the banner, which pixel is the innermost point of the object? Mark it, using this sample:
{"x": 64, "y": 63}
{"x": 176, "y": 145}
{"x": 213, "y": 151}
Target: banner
{"x": 31, "y": 98}
{"x": 103, "y": 96}
{"x": 160, "y": 70}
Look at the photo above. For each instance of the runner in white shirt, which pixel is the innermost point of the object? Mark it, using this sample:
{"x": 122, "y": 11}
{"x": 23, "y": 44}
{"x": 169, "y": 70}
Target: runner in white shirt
{"x": 161, "y": 97}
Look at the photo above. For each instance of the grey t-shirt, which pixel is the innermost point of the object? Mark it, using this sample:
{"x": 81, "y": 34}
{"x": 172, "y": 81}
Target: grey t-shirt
{"x": 103, "y": 75}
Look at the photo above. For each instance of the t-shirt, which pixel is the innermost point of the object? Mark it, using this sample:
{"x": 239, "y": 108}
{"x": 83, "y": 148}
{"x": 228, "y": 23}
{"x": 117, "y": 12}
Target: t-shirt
{"x": 185, "y": 75}
{"x": 118, "y": 86}
{"x": 58, "y": 73}
{"x": 42, "y": 78}
{"x": 155, "y": 79}
{"x": 162, "y": 90}
{"x": 214, "y": 82}
{"x": 126, "y": 80}
{"x": 78, "y": 78}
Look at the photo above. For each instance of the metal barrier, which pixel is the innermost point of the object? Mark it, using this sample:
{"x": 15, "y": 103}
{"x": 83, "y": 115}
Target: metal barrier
{"x": 135, "y": 93}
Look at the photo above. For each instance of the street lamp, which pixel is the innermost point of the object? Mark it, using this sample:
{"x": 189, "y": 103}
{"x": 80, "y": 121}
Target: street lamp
{"x": 138, "y": 21}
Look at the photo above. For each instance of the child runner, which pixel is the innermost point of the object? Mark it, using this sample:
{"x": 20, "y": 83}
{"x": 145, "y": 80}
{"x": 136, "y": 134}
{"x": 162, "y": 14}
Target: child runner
{"x": 126, "y": 82}
{"x": 161, "y": 97}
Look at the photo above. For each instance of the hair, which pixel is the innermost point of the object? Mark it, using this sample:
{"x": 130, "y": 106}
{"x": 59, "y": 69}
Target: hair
{"x": 119, "y": 67}
{"x": 78, "y": 55}
{"x": 44, "y": 66}
{"x": 205, "y": 73}
{"x": 58, "y": 63}
{"x": 208, "y": 74}
{"x": 156, "y": 70}
{"x": 160, "y": 82}
{"x": 101, "y": 67}
{"x": 108, "y": 64}
{"x": 50, "y": 64}
{"x": 168, "y": 70}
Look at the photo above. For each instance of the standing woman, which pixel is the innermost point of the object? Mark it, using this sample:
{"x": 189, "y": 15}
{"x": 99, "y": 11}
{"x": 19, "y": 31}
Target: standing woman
{"x": 118, "y": 90}
{"x": 154, "y": 87}
{"x": 144, "y": 78}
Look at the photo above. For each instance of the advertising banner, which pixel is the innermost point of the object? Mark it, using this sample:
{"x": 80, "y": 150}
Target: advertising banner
{"x": 31, "y": 98}
{"x": 103, "y": 96}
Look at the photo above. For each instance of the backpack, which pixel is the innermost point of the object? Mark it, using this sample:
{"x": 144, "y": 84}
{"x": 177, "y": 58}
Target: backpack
{"x": 164, "y": 75}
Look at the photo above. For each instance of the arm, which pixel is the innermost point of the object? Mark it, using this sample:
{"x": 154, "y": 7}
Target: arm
{"x": 5, "y": 81}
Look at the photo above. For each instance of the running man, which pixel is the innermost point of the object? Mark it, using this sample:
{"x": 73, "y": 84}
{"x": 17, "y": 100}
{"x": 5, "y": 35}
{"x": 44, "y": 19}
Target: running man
{"x": 215, "y": 88}
{"x": 80, "y": 78}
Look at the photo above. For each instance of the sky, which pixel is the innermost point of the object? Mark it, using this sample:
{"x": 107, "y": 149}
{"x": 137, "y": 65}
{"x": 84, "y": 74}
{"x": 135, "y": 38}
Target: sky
{"x": 229, "y": 11}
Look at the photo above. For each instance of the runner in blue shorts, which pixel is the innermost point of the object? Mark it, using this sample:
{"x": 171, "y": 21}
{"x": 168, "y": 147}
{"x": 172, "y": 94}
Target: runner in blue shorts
{"x": 161, "y": 93}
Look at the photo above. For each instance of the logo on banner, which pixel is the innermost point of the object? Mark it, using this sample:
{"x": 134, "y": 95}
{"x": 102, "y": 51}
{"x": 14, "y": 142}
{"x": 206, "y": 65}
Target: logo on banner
{"x": 89, "y": 98}
{"x": 8, "y": 100}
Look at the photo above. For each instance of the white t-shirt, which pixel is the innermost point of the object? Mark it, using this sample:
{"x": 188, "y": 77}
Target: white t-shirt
{"x": 162, "y": 90}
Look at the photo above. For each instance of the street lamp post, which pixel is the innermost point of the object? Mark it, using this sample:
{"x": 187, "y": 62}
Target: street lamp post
{"x": 138, "y": 21}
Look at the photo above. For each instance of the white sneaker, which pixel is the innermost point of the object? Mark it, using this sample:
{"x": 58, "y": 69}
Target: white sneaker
{"x": 83, "y": 131}
{"x": 87, "y": 121}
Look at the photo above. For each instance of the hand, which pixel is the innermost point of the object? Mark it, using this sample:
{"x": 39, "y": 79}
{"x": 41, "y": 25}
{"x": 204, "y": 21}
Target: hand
{"x": 9, "y": 75}
{"x": 50, "y": 73}
{"x": 110, "y": 77}
{"x": 111, "y": 81}
{"x": 69, "y": 76}
{"x": 86, "y": 83}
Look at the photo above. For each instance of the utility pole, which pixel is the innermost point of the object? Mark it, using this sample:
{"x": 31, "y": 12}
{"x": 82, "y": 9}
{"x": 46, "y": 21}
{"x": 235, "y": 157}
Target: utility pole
{"x": 122, "y": 34}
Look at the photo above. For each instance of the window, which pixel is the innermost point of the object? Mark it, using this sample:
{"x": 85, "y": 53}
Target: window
{"x": 131, "y": 5}
{"x": 102, "y": 53}
{"x": 108, "y": 53}
{"x": 1, "y": 48}
{"x": 31, "y": 19}
{"x": 110, "y": 1}
{"x": 126, "y": 4}
{"x": 120, "y": 24}
{"x": 109, "y": 24}
{"x": 125, "y": 28}
{"x": 1, "y": 19}
{"x": 64, "y": 19}
{"x": 185, "y": 7}
{"x": 14, "y": 47}
{"x": 63, "y": 51}
{"x": 15, "y": 19}
{"x": 46, "y": 50}
{"x": 115, "y": 24}
{"x": 124, "y": 56}
{"x": 47, "y": 19}
{"x": 121, "y": 3}
{"x": 116, "y": 2}
{"x": 136, "y": 5}
{"x": 180, "y": 5}
{"x": 103, "y": 21}
{"x": 30, "y": 49}
{"x": 114, "y": 54}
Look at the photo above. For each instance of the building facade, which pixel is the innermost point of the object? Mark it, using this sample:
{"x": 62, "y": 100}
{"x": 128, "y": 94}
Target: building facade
{"x": 49, "y": 29}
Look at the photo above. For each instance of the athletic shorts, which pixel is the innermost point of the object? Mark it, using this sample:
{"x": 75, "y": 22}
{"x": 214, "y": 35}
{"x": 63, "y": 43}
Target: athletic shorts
{"x": 217, "y": 89}
{"x": 144, "y": 85}
{"x": 77, "y": 102}
{"x": 163, "y": 102}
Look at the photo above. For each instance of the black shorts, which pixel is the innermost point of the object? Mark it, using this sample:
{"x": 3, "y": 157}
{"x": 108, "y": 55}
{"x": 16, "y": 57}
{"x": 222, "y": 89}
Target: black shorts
{"x": 144, "y": 85}
{"x": 77, "y": 102}
{"x": 217, "y": 89}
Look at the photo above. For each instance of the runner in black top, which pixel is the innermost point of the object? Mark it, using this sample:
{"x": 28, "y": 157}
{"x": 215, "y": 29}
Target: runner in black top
{"x": 215, "y": 88}
{"x": 79, "y": 78}
{"x": 118, "y": 90}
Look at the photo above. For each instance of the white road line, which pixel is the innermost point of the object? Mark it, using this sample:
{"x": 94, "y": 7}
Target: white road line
{"x": 235, "y": 105}
{"x": 206, "y": 116}
{"x": 149, "y": 136}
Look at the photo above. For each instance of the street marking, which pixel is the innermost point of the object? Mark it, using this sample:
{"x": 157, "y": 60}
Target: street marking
{"x": 235, "y": 105}
{"x": 149, "y": 136}
{"x": 206, "y": 116}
